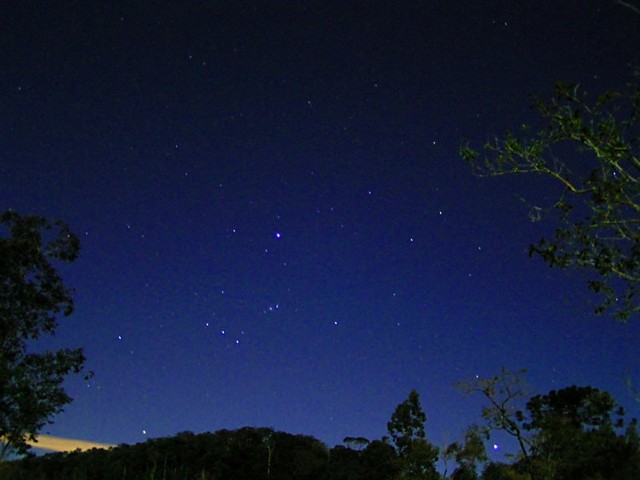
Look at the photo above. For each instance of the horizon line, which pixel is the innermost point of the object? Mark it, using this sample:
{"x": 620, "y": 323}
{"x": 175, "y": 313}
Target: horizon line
{"x": 60, "y": 444}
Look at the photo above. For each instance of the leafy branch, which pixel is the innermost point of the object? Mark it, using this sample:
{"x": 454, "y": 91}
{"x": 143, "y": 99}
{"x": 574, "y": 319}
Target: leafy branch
{"x": 598, "y": 209}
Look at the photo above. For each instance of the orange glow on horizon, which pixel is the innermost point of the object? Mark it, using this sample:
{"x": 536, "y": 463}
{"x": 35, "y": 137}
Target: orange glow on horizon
{"x": 58, "y": 444}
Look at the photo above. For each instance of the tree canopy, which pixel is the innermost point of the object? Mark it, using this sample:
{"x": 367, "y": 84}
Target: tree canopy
{"x": 407, "y": 422}
{"x": 571, "y": 433}
{"x": 32, "y": 295}
{"x": 579, "y": 432}
{"x": 406, "y": 427}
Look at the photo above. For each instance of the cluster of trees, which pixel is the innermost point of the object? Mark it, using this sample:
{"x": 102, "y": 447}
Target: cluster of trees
{"x": 568, "y": 434}
{"x": 248, "y": 453}
{"x": 577, "y": 433}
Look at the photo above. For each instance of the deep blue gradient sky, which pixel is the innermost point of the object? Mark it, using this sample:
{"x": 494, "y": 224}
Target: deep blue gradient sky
{"x": 276, "y": 227}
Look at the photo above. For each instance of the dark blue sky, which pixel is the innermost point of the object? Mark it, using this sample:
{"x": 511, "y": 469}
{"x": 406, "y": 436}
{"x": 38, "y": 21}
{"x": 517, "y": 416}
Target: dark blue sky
{"x": 276, "y": 227}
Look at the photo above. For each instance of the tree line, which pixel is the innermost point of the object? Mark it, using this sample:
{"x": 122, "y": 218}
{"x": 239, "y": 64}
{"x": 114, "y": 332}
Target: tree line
{"x": 576, "y": 433}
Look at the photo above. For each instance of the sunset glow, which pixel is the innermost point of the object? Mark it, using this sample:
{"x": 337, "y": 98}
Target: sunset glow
{"x": 57, "y": 444}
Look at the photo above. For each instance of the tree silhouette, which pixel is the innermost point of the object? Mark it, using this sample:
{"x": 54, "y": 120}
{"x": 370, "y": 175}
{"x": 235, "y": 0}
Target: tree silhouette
{"x": 406, "y": 427}
{"x": 31, "y": 297}
{"x": 598, "y": 204}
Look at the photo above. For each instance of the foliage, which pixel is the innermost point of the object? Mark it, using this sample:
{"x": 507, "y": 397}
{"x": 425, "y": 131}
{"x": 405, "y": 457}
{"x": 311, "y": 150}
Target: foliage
{"x": 344, "y": 463}
{"x": 407, "y": 423}
{"x": 501, "y": 471}
{"x": 419, "y": 461}
{"x": 31, "y": 297}
{"x": 406, "y": 428}
{"x": 572, "y": 433}
{"x": 580, "y": 433}
{"x": 503, "y": 391}
{"x": 468, "y": 453}
{"x": 576, "y": 433}
{"x": 232, "y": 455}
{"x": 380, "y": 462}
{"x": 598, "y": 208}
{"x": 357, "y": 443}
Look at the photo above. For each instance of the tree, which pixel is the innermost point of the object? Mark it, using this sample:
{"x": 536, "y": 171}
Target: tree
{"x": 356, "y": 443}
{"x": 31, "y": 297}
{"x": 503, "y": 391}
{"x": 468, "y": 454}
{"x": 407, "y": 423}
{"x": 575, "y": 433}
{"x": 598, "y": 204}
{"x": 406, "y": 428}
{"x": 579, "y": 432}
{"x": 501, "y": 471}
{"x": 379, "y": 461}
{"x": 343, "y": 464}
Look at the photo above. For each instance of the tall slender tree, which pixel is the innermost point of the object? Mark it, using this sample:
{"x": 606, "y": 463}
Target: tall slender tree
{"x": 406, "y": 428}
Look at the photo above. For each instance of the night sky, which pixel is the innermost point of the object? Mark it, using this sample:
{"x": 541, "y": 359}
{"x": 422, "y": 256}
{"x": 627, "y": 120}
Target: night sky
{"x": 276, "y": 227}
